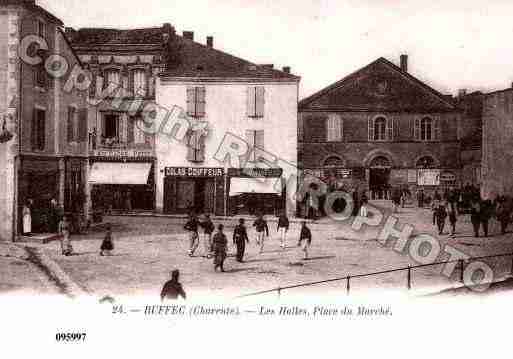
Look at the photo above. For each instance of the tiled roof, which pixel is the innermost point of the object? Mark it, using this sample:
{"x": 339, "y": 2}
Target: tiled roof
{"x": 380, "y": 86}
{"x": 195, "y": 59}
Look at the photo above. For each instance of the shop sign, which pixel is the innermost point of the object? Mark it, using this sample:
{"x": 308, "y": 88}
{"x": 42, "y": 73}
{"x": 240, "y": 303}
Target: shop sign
{"x": 256, "y": 172}
{"x": 447, "y": 177}
{"x": 129, "y": 153}
{"x": 193, "y": 172}
{"x": 428, "y": 177}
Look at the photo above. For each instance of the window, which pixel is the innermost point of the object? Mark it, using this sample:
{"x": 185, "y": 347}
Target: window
{"x": 334, "y": 161}
{"x": 111, "y": 76}
{"x": 40, "y": 76}
{"x": 135, "y": 133}
{"x": 140, "y": 85}
{"x": 427, "y": 129}
{"x": 72, "y": 124}
{"x": 38, "y": 137}
{"x": 196, "y": 146}
{"x": 41, "y": 29}
{"x": 110, "y": 129}
{"x": 196, "y": 102}
{"x": 256, "y": 101}
{"x": 425, "y": 162}
{"x": 380, "y": 126}
{"x": 255, "y": 140}
{"x": 334, "y": 129}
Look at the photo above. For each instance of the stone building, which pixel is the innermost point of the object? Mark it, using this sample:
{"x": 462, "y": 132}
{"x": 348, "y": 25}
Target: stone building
{"x": 380, "y": 128}
{"x": 38, "y": 159}
{"x": 229, "y": 145}
{"x": 497, "y": 162}
{"x": 124, "y": 65}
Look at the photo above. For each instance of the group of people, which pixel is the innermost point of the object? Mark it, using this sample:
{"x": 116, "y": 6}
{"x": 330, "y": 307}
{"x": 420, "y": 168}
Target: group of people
{"x": 216, "y": 244}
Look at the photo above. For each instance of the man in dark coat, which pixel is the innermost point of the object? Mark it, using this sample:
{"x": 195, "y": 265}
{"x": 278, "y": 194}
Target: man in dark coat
{"x": 305, "y": 239}
{"x": 475, "y": 215}
{"x": 485, "y": 215}
{"x": 208, "y": 228}
{"x": 173, "y": 288}
{"x": 440, "y": 213}
{"x": 220, "y": 248}
{"x": 240, "y": 238}
{"x": 192, "y": 227}
{"x": 283, "y": 228}
{"x": 262, "y": 231}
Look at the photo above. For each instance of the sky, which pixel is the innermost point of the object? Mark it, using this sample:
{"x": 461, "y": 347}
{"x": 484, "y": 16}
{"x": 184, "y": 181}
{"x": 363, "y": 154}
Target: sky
{"x": 451, "y": 45}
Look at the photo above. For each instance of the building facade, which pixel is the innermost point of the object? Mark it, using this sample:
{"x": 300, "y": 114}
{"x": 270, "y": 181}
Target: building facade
{"x": 39, "y": 162}
{"x": 380, "y": 128}
{"x": 497, "y": 162}
{"x": 124, "y": 65}
{"x": 229, "y": 143}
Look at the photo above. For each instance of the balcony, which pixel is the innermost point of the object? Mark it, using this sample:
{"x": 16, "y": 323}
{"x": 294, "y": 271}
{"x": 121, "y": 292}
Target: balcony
{"x": 114, "y": 147}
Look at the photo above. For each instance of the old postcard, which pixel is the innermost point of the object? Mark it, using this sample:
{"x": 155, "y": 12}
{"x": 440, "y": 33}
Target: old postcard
{"x": 239, "y": 177}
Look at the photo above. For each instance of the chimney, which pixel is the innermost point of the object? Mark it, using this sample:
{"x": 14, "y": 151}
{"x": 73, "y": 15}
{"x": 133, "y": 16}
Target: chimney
{"x": 210, "y": 41}
{"x": 462, "y": 92}
{"x": 189, "y": 35}
{"x": 404, "y": 63}
{"x": 286, "y": 69}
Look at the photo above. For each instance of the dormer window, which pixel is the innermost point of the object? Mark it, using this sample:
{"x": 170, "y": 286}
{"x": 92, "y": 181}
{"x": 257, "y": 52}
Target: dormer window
{"x": 41, "y": 28}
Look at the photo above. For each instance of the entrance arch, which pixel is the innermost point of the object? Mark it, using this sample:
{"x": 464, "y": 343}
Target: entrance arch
{"x": 379, "y": 177}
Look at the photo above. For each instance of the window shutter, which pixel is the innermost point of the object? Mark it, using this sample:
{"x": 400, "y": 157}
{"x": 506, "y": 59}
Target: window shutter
{"x": 131, "y": 83}
{"x": 251, "y": 102}
{"x": 250, "y": 139}
{"x": 396, "y": 128}
{"x": 92, "y": 87}
{"x": 41, "y": 130}
{"x": 33, "y": 132}
{"x": 131, "y": 128}
{"x": 260, "y": 101}
{"x": 201, "y": 148}
{"x": 341, "y": 128}
{"x": 190, "y": 146}
{"x": 370, "y": 123}
{"x": 436, "y": 129}
{"x": 329, "y": 132}
{"x": 416, "y": 129}
{"x": 390, "y": 129}
{"x": 190, "y": 101}
{"x": 71, "y": 124}
{"x": 200, "y": 101}
{"x": 82, "y": 123}
{"x": 259, "y": 144}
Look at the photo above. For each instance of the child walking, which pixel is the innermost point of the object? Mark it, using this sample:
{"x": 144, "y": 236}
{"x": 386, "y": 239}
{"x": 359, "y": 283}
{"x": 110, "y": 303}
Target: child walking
{"x": 107, "y": 245}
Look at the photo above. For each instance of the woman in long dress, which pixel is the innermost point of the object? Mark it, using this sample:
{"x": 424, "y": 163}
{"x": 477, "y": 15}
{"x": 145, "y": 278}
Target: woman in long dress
{"x": 27, "y": 219}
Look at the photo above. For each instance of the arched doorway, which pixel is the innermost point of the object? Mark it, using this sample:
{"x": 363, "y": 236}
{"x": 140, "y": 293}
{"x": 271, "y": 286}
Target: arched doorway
{"x": 379, "y": 177}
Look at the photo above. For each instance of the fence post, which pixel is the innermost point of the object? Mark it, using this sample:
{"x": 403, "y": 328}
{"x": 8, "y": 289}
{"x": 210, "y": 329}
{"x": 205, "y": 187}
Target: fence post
{"x": 511, "y": 264}
{"x": 348, "y": 285}
{"x": 279, "y": 292}
{"x": 462, "y": 267}
{"x": 409, "y": 278}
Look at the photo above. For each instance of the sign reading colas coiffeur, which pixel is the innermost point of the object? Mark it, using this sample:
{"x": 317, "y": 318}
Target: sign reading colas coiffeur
{"x": 193, "y": 172}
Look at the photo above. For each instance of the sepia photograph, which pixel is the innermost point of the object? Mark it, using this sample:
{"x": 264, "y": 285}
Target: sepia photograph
{"x": 312, "y": 177}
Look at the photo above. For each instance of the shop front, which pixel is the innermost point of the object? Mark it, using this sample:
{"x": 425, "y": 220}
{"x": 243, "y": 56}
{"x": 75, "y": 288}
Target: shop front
{"x": 39, "y": 182}
{"x": 253, "y": 191}
{"x": 194, "y": 189}
{"x": 122, "y": 181}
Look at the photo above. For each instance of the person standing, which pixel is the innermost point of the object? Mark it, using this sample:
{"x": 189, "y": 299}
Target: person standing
{"x": 262, "y": 231}
{"x": 208, "y": 229}
{"x": 53, "y": 215}
{"x": 107, "y": 244}
{"x": 440, "y": 214}
{"x": 173, "y": 289}
{"x": 192, "y": 227}
{"x": 453, "y": 218}
{"x": 220, "y": 246}
{"x": 475, "y": 209}
{"x": 27, "y": 218}
{"x": 64, "y": 231}
{"x": 503, "y": 213}
{"x": 363, "y": 207}
{"x": 305, "y": 239}
{"x": 283, "y": 228}
{"x": 240, "y": 238}
{"x": 420, "y": 198}
{"x": 485, "y": 215}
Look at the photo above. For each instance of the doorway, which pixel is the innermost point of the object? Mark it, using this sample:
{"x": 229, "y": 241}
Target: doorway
{"x": 379, "y": 178}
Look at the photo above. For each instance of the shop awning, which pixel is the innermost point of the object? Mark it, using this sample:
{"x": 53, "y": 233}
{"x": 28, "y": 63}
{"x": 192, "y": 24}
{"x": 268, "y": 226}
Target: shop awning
{"x": 119, "y": 173}
{"x": 254, "y": 185}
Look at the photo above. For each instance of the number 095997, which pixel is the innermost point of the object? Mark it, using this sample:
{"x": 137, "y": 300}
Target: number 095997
{"x": 70, "y": 337}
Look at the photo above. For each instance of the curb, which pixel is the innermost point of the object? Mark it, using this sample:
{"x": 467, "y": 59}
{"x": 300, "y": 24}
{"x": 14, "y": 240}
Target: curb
{"x": 55, "y": 273}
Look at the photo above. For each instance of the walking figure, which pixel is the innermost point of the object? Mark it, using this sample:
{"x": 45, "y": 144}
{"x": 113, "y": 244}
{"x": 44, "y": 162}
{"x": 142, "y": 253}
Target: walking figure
{"x": 453, "y": 218}
{"x": 283, "y": 228}
{"x": 475, "y": 216}
{"x": 64, "y": 229}
{"x": 262, "y": 231}
{"x": 240, "y": 238}
{"x": 220, "y": 247}
{"x": 192, "y": 227}
{"x": 440, "y": 214}
{"x": 107, "y": 244}
{"x": 27, "y": 218}
{"x": 173, "y": 288}
{"x": 305, "y": 239}
{"x": 208, "y": 228}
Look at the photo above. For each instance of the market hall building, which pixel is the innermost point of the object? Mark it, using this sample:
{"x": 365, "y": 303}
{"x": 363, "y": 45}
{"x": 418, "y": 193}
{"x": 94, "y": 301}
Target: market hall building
{"x": 226, "y": 98}
{"x": 380, "y": 128}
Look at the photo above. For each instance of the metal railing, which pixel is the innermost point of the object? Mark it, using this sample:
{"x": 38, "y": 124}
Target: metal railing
{"x": 409, "y": 270}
